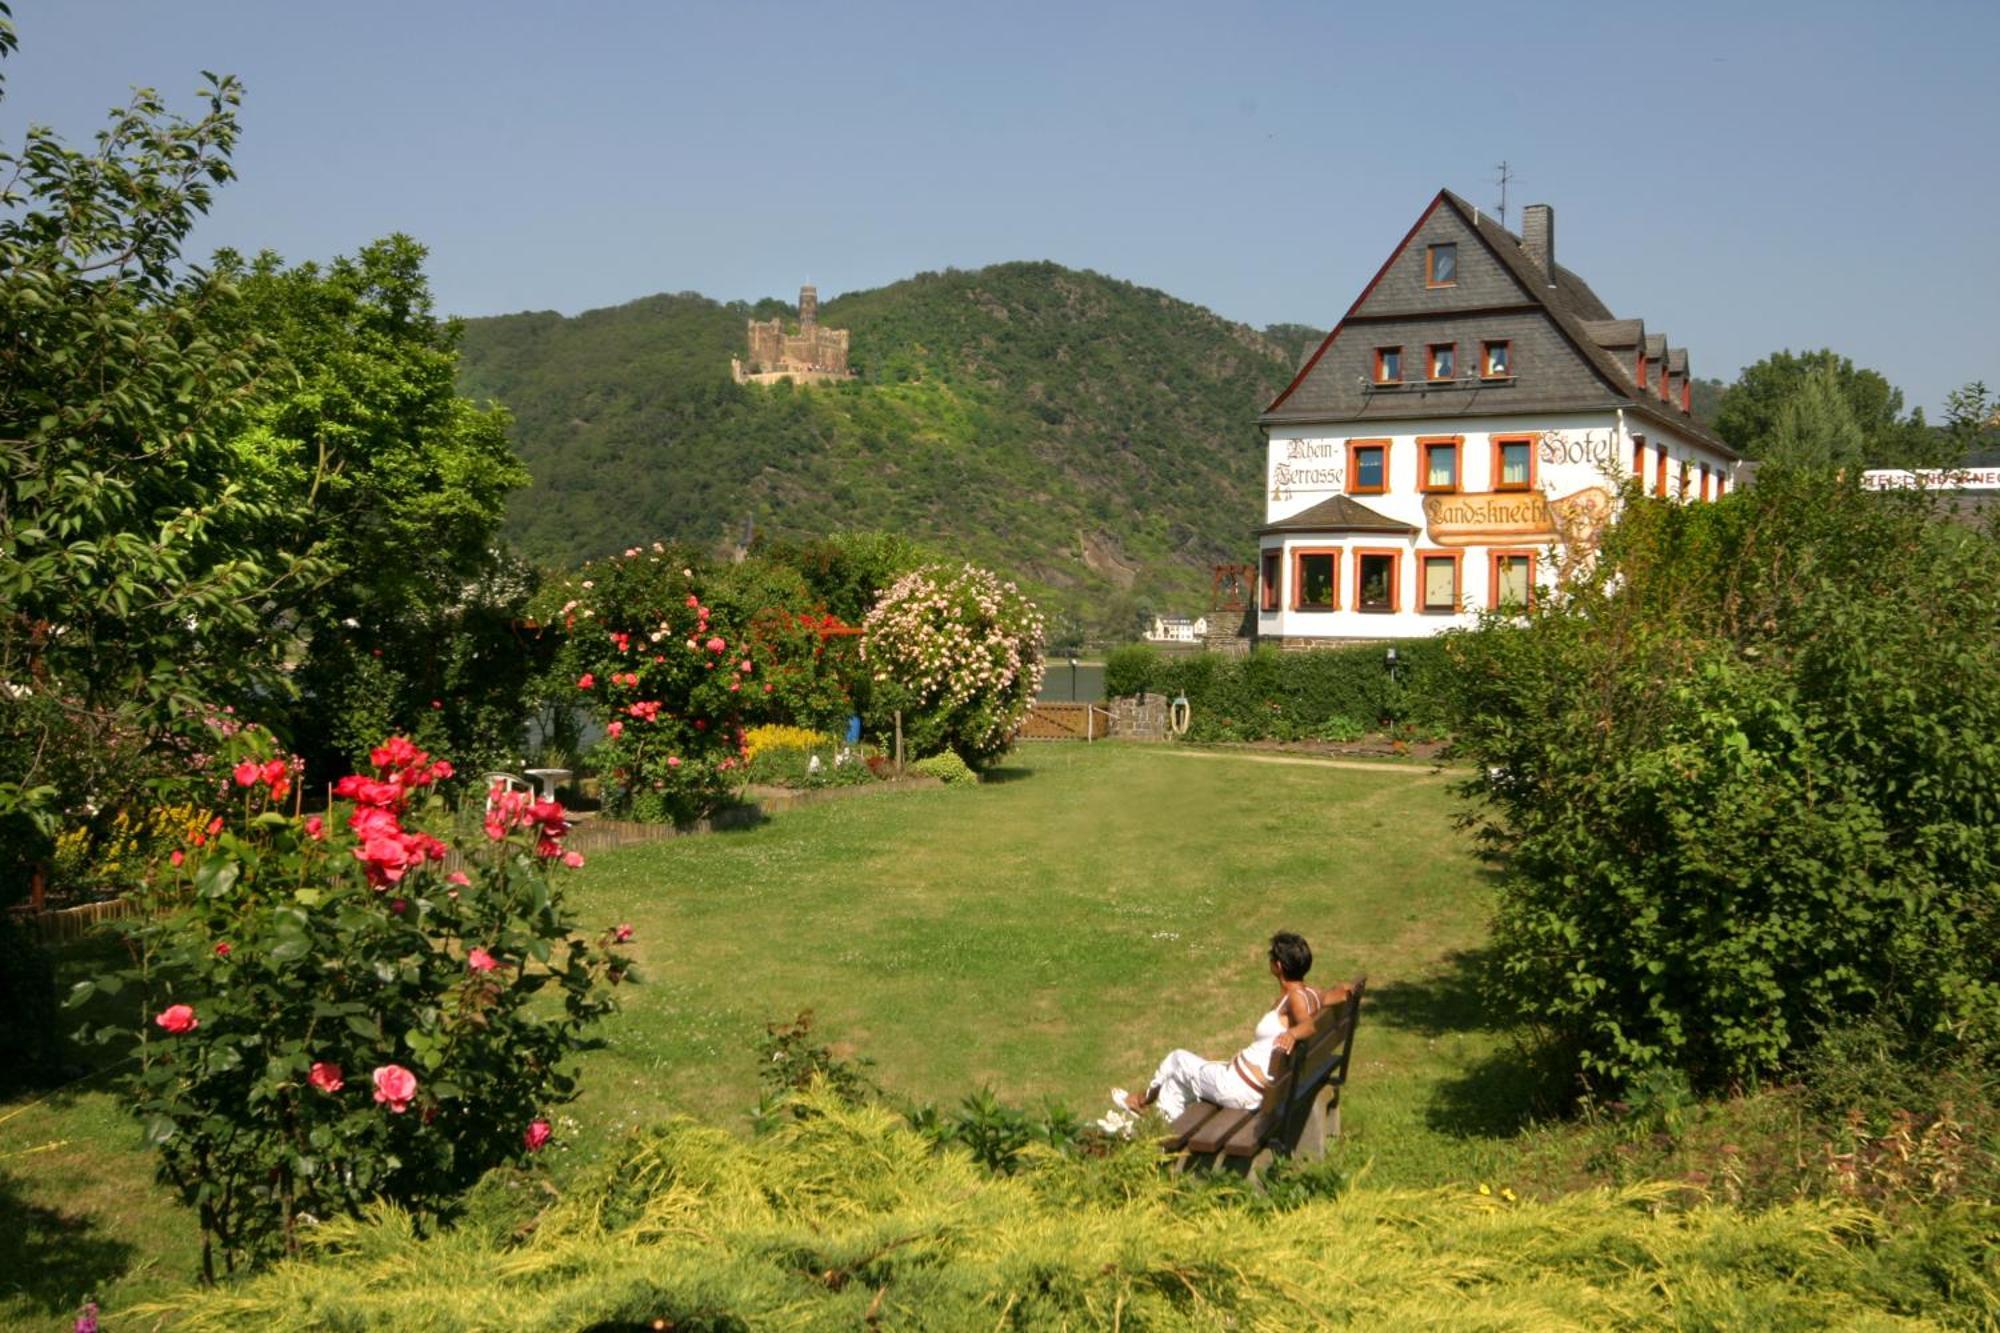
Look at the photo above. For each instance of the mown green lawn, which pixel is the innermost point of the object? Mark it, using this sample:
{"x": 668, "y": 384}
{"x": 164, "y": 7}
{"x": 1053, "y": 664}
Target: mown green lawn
{"x": 1049, "y": 933}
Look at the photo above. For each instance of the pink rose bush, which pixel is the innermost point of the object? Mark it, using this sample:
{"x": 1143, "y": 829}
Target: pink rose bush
{"x": 278, "y": 952}
{"x": 961, "y": 654}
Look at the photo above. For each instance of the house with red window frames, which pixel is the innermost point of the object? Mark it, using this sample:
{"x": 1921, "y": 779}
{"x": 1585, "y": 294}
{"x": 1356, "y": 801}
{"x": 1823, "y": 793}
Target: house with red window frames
{"x": 1459, "y": 440}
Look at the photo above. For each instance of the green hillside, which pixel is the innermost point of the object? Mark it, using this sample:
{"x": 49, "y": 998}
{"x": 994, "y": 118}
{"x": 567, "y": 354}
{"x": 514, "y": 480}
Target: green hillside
{"x": 1089, "y": 436}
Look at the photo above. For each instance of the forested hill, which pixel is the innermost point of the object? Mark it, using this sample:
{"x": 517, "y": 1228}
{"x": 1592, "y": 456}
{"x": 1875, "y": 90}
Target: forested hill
{"x": 1089, "y": 436}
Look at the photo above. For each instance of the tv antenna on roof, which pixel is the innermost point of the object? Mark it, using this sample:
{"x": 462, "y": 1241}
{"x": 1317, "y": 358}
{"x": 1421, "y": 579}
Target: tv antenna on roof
{"x": 1504, "y": 178}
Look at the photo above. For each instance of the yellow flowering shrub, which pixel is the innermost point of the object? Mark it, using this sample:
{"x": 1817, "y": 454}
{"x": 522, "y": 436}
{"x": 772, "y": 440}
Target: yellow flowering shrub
{"x": 776, "y": 736}
{"x": 123, "y": 849}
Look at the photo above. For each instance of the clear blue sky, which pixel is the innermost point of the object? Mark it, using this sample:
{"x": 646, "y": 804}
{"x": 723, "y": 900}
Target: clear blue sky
{"x": 1744, "y": 176}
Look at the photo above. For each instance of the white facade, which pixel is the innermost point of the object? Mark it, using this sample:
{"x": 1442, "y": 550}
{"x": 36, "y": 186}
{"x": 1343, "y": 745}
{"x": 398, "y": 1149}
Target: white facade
{"x": 1178, "y": 629}
{"x": 1469, "y": 541}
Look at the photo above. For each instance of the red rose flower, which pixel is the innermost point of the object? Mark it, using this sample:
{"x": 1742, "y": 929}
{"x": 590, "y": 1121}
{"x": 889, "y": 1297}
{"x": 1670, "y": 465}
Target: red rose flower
{"x": 178, "y": 1018}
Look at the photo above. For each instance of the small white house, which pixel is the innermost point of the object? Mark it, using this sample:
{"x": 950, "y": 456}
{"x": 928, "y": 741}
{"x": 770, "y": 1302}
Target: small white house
{"x": 1178, "y": 629}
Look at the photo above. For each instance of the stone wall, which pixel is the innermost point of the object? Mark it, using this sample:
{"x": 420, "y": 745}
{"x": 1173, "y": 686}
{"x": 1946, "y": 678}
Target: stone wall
{"x": 1139, "y": 718}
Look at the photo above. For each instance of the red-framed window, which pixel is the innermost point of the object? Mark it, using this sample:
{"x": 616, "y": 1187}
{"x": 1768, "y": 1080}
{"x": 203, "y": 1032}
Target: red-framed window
{"x": 1639, "y": 458}
{"x": 1316, "y": 578}
{"x": 1441, "y": 265}
{"x": 1513, "y": 462}
{"x": 1440, "y": 582}
{"x": 1706, "y": 482}
{"x": 1642, "y": 367}
{"x": 1510, "y": 579}
{"x": 1378, "y": 576}
{"x": 1660, "y": 477}
{"x": 1496, "y": 359}
{"x": 1440, "y": 463}
{"x": 1681, "y": 481}
{"x": 1367, "y": 467}
{"x": 1388, "y": 365}
{"x": 1444, "y": 361}
{"x": 1268, "y": 594}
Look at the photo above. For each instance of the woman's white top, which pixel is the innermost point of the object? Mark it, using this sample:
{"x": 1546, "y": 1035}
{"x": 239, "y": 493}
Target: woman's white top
{"x": 1253, "y": 1062}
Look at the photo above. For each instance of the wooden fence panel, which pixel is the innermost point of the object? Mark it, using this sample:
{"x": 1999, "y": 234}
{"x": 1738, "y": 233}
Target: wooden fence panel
{"x": 1065, "y": 722}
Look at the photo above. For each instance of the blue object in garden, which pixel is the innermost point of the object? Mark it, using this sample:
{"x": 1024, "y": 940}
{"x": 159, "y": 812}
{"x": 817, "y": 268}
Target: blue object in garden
{"x": 853, "y": 729}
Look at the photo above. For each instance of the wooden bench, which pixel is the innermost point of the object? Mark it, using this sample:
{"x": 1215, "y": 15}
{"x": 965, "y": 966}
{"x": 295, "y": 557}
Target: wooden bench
{"x": 1300, "y": 1108}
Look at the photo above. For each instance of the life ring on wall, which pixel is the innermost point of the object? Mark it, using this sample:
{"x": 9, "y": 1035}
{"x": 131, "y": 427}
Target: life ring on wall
{"x": 1178, "y": 714}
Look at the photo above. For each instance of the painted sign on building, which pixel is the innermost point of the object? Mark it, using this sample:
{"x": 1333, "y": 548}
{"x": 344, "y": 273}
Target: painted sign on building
{"x": 1479, "y": 518}
{"x": 1945, "y": 479}
{"x": 1308, "y": 467}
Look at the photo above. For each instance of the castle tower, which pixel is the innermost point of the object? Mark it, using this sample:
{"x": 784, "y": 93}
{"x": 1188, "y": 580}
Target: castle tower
{"x": 808, "y": 308}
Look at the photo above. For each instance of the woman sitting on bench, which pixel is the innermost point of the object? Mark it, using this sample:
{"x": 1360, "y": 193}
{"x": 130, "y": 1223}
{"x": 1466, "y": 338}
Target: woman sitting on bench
{"x": 1237, "y": 1084}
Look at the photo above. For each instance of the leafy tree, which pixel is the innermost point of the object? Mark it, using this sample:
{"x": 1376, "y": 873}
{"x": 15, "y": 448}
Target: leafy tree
{"x": 1816, "y": 426}
{"x": 131, "y": 589}
{"x": 369, "y": 453}
{"x": 1750, "y": 413}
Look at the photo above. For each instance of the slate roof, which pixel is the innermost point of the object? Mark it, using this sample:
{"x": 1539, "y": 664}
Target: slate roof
{"x": 1575, "y": 310}
{"x": 1339, "y": 514}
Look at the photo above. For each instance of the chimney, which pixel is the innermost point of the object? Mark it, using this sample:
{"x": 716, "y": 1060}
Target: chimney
{"x": 808, "y": 307}
{"x": 1538, "y": 238}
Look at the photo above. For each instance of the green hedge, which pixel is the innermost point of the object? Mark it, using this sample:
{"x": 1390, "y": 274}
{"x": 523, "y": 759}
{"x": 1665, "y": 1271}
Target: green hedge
{"x": 1291, "y": 695}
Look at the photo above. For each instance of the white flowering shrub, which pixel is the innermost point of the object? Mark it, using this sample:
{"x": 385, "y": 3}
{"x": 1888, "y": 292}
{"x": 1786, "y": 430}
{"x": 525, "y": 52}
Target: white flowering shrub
{"x": 960, "y": 653}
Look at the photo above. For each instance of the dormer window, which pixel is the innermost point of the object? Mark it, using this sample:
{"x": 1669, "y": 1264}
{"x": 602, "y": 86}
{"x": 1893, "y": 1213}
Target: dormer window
{"x": 1642, "y": 369}
{"x": 1441, "y": 266}
{"x": 1496, "y": 360}
{"x": 1444, "y": 361}
{"x": 1388, "y": 365}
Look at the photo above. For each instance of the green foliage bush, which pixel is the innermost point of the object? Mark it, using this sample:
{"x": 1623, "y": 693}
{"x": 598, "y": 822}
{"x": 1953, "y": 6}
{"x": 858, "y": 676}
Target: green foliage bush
{"x": 947, "y": 768}
{"x": 843, "y": 1215}
{"x": 1129, "y": 669}
{"x": 1744, "y": 779}
{"x": 285, "y": 967}
{"x": 1291, "y": 696}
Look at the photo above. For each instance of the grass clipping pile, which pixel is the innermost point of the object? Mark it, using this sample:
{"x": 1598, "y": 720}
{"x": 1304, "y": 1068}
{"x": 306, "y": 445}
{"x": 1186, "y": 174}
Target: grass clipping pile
{"x": 845, "y": 1218}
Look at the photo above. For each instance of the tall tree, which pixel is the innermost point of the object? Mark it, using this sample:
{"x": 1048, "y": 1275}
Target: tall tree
{"x": 402, "y": 485}
{"x": 129, "y": 591}
{"x": 1748, "y": 417}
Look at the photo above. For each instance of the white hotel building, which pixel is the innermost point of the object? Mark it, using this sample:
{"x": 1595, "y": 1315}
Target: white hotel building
{"x": 1457, "y": 442}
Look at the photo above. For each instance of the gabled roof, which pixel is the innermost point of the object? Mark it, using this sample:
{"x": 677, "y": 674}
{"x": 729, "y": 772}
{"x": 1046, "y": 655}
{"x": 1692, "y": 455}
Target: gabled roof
{"x": 1338, "y": 514}
{"x": 1572, "y": 307}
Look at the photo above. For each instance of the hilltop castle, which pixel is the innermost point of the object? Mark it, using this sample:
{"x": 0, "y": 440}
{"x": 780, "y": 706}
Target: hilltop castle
{"x": 813, "y": 355}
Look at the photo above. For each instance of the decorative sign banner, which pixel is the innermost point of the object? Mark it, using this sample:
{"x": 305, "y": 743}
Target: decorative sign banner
{"x": 1309, "y": 467}
{"x": 1489, "y": 518}
{"x": 1936, "y": 479}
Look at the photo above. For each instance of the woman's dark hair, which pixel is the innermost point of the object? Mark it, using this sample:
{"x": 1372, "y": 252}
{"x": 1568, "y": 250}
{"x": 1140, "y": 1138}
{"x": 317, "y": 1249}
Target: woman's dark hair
{"x": 1292, "y": 954}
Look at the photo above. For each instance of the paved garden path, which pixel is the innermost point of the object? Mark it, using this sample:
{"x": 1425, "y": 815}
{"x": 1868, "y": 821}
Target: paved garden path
{"x": 1357, "y": 765}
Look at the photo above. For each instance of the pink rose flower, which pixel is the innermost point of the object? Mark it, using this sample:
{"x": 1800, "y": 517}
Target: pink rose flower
{"x": 458, "y": 877}
{"x": 395, "y": 1087}
{"x": 673, "y": 761}
{"x": 222, "y": 949}
{"x": 248, "y": 773}
{"x": 585, "y": 681}
{"x": 716, "y": 645}
{"x": 178, "y": 1018}
{"x": 574, "y": 860}
{"x": 326, "y": 1077}
{"x": 614, "y": 729}
{"x": 479, "y": 960}
{"x": 178, "y": 856}
{"x": 215, "y": 826}
{"x": 623, "y": 933}
{"x": 693, "y": 600}
{"x": 315, "y": 827}
{"x": 536, "y": 1134}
